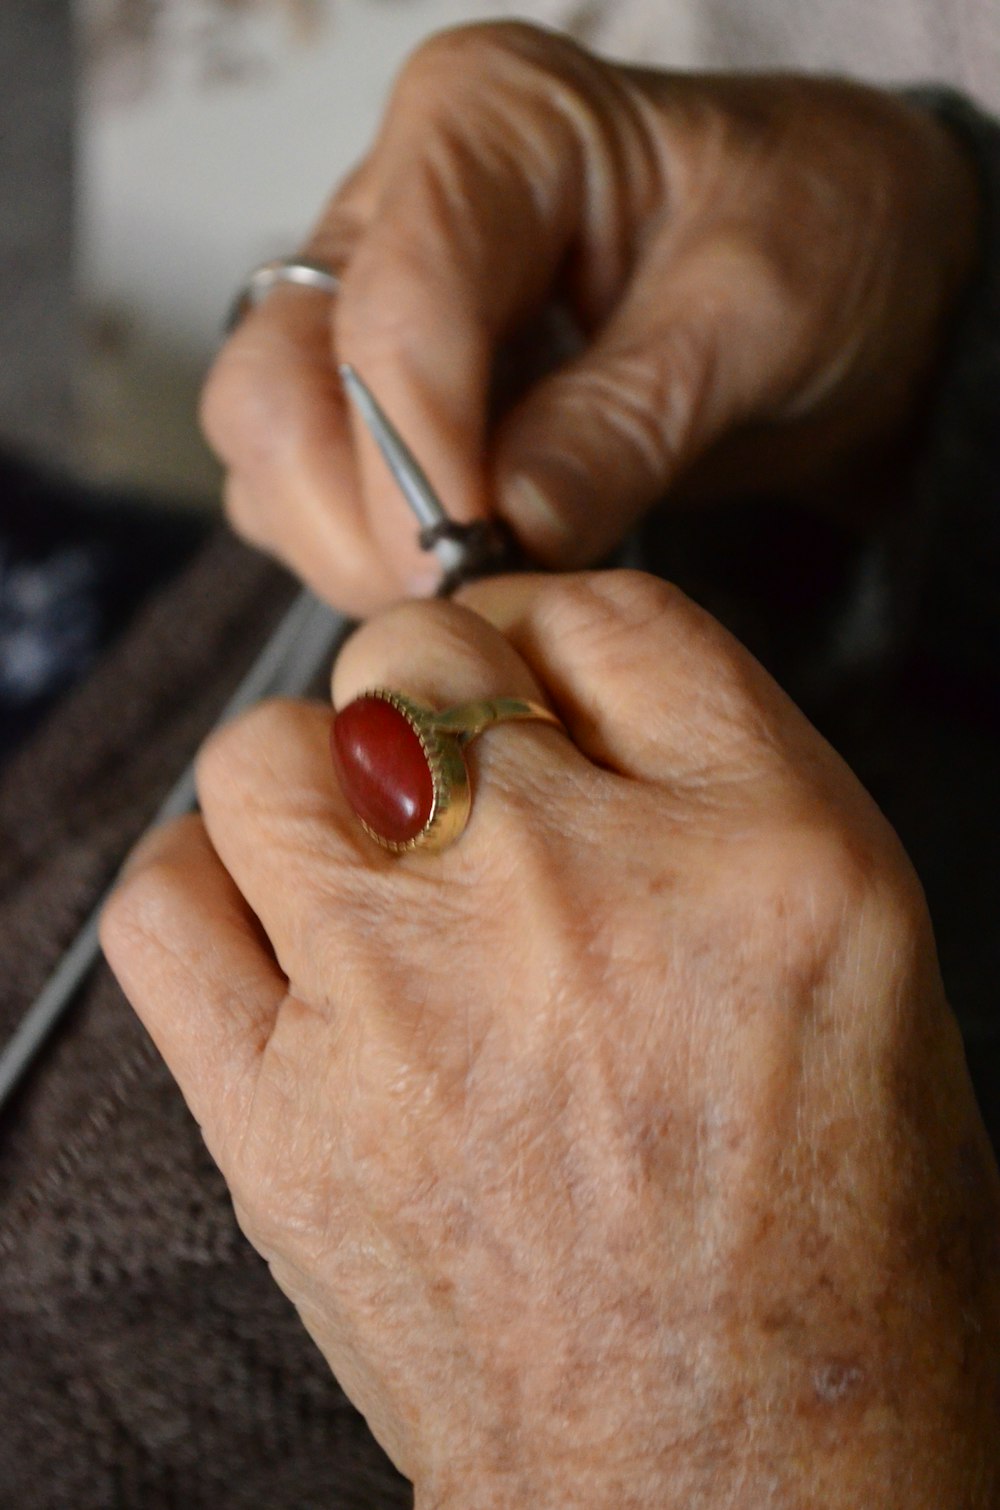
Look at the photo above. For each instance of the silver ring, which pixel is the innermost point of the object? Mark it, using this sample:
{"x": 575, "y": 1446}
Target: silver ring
{"x": 297, "y": 270}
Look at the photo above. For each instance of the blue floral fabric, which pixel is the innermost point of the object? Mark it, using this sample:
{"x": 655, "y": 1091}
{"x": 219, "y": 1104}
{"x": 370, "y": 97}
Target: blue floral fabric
{"x": 75, "y": 564}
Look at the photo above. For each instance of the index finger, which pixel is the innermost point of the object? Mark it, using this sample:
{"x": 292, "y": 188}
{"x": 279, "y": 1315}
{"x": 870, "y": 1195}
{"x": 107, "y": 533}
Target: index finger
{"x": 479, "y": 201}
{"x": 195, "y": 965}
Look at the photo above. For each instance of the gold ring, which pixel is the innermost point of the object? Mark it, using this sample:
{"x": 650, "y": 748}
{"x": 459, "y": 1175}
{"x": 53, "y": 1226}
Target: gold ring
{"x": 402, "y": 766}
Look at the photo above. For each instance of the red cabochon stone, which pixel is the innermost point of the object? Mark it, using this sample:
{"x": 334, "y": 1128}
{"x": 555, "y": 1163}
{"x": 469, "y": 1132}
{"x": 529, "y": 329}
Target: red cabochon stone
{"x": 382, "y": 768}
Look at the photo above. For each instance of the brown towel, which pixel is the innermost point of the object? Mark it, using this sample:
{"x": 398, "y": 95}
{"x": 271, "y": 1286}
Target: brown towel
{"x": 147, "y": 1359}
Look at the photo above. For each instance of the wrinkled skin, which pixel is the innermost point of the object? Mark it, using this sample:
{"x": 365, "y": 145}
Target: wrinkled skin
{"x": 761, "y": 272}
{"x": 624, "y": 1154}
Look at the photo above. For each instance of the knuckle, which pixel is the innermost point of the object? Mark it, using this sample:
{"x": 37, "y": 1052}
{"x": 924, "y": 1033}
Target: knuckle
{"x": 426, "y": 83}
{"x": 232, "y": 758}
{"x": 657, "y": 655}
{"x": 345, "y": 218}
{"x": 142, "y": 911}
{"x": 817, "y": 865}
{"x": 213, "y": 766}
{"x": 122, "y": 925}
{"x": 261, "y": 1205}
{"x": 234, "y": 407}
{"x": 615, "y": 615}
{"x": 377, "y": 652}
{"x": 635, "y": 597}
{"x": 466, "y": 53}
{"x": 829, "y": 883}
{"x": 247, "y": 1212}
{"x": 219, "y": 404}
{"x": 595, "y": 612}
{"x": 492, "y": 82}
{"x": 266, "y": 403}
{"x": 246, "y": 519}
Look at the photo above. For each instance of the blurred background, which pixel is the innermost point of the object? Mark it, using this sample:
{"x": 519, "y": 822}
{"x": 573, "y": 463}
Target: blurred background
{"x": 211, "y": 133}
{"x": 37, "y": 325}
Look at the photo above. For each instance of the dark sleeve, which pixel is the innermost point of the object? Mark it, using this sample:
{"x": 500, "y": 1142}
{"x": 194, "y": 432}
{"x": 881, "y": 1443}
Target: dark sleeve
{"x": 958, "y": 478}
{"x": 951, "y": 801}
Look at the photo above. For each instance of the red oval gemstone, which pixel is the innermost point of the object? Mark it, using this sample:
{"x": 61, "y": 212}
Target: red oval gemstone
{"x": 382, "y": 768}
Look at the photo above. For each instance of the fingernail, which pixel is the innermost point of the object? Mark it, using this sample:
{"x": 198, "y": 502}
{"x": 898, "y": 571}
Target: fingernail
{"x": 424, "y": 580}
{"x": 545, "y": 497}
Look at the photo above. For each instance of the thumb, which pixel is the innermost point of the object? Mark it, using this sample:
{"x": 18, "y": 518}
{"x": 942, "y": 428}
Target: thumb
{"x": 696, "y": 350}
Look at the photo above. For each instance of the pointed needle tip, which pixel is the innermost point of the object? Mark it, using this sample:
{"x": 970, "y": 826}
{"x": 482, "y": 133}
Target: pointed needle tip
{"x": 402, "y": 463}
{"x": 359, "y": 391}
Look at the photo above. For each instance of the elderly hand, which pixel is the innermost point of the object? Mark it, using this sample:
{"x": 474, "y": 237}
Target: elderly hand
{"x": 760, "y": 271}
{"x": 622, "y": 1155}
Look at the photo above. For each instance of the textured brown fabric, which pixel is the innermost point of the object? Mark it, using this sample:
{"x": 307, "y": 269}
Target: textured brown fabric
{"x": 147, "y": 1359}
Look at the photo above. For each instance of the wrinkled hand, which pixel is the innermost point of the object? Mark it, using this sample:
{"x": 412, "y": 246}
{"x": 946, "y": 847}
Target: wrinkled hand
{"x": 622, "y": 1155}
{"x": 759, "y": 269}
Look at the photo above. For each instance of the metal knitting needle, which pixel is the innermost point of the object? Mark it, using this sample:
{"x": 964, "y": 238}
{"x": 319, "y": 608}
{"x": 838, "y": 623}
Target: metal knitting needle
{"x": 402, "y": 463}
{"x": 286, "y": 666}
{"x": 465, "y": 551}
{"x": 288, "y": 663}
